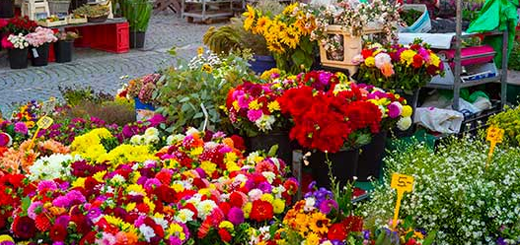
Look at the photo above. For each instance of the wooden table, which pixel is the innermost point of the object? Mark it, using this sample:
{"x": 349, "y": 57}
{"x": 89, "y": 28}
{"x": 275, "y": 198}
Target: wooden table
{"x": 173, "y": 5}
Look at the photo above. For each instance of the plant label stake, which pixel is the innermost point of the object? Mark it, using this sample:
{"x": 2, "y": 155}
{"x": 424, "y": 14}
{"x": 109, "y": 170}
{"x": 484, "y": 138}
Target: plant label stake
{"x": 44, "y": 123}
{"x": 494, "y": 135}
{"x": 402, "y": 183}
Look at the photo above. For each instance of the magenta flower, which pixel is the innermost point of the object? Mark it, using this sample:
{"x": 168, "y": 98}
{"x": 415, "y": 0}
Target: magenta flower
{"x": 326, "y": 206}
{"x": 254, "y": 115}
{"x": 47, "y": 185}
{"x": 236, "y": 216}
{"x": 21, "y": 128}
{"x": 394, "y": 109}
{"x": 31, "y": 211}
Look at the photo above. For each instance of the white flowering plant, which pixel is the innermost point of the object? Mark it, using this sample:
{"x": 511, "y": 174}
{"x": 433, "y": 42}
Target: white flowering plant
{"x": 52, "y": 167}
{"x": 455, "y": 193}
{"x": 18, "y": 41}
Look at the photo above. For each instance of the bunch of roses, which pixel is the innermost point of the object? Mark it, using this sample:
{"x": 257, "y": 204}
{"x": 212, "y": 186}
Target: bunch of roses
{"x": 397, "y": 66}
{"x": 18, "y": 25}
{"x": 330, "y": 120}
{"x": 41, "y": 36}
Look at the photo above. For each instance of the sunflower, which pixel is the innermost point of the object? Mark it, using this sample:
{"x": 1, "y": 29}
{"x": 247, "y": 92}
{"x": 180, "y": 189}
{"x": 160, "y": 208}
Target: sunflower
{"x": 261, "y": 25}
{"x": 290, "y": 9}
{"x": 250, "y": 14}
{"x": 291, "y": 36}
{"x": 207, "y": 68}
{"x": 276, "y": 47}
{"x": 318, "y": 223}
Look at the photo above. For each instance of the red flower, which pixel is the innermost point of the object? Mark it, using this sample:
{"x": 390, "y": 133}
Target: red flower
{"x": 42, "y": 222}
{"x": 236, "y": 200}
{"x": 297, "y": 101}
{"x": 353, "y": 224}
{"x": 261, "y": 211}
{"x": 238, "y": 142}
{"x": 417, "y": 61}
{"x": 224, "y": 235}
{"x": 367, "y": 53}
{"x": 337, "y": 232}
{"x": 24, "y": 228}
{"x": 58, "y": 233}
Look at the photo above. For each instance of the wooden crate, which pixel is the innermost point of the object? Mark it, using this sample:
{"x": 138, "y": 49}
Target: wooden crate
{"x": 48, "y": 23}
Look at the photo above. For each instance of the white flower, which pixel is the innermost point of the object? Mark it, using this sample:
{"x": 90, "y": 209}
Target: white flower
{"x": 151, "y": 132}
{"x": 204, "y": 208}
{"x": 265, "y": 122}
{"x": 147, "y": 232}
{"x": 309, "y": 204}
{"x": 184, "y": 216}
{"x": 404, "y": 123}
{"x": 118, "y": 179}
{"x": 192, "y": 131}
{"x": 270, "y": 176}
{"x": 255, "y": 194}
{"x": 51, "y": 167}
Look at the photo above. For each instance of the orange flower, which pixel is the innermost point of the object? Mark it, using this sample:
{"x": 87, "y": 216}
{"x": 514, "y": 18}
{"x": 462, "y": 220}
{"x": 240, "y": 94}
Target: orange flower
{"x": 387, "y": 70}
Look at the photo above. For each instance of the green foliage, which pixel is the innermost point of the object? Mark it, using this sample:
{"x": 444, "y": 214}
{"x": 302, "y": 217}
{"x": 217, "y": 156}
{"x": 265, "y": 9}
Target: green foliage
{"x": 514, "y": 57}
{"x": 109, "y": 111}
{"x": 76, "y": 95}
{"x": 138, "y": 13}
{"x": 222, "y": 40}
{"x": 199, "y": 85}
{"x": 92, "y": 10}
{"x": 454, "y": 194}
{"x": 509, "y": 121}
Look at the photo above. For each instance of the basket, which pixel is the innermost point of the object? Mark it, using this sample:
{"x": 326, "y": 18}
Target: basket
{"x": 74, "y": 21}
{"x": 59, "y": 6}
{"x": 99, "y": 19}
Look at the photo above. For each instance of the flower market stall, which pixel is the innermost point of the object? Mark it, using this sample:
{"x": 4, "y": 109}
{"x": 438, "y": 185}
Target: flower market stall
{"x": 222, "y": 149}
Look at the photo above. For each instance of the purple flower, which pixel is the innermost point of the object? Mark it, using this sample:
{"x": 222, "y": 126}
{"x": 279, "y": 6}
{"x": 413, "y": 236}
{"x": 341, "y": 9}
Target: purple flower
{"x": 152, "y": 183}
{"x": 254, "y": 115}
{"x": 63, "y": 220}
{"x": 21, "y": 128}
{"x": 394, "y": 109}
{"x": 327, "y": 205}
{"x": 236, "y": 216}
{"x": 7, "y": 243}
{"x": 5, "y": 139}
{"x": 337, "y": 242}
{"x": 201, "y": 172}
{"x": 156, "y": 120}
{"x": 61, "y": 201}
{"x": 94, "y": 213}
{"x": 265, "y": 187}
{"x": 174, "y": 240}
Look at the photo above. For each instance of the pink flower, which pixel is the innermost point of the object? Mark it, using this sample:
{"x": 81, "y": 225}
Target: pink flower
{"x": 32, "y": 208}
{"x": 395, "y": 109}
{"x": 21, "y": 128}
{"x": 358, "y": 59}
{"x": 254, "y": 115}
{"x": 236, "y": 216}
{"x": 383, "y": 59}
{"x": 243, "y": 101}
{"x": 47, "y": 185}
{"x": 5, "y": 43}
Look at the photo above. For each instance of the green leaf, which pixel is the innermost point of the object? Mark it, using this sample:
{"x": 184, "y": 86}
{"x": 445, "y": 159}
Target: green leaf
{"x": 272, "y": 151}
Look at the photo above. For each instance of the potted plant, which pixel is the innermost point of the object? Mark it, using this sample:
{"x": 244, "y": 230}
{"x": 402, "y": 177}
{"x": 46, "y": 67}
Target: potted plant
{"x": 6, "y": 8}
{"x": 63, "y": 47}
{"x": 138, "y": 13}
{"x": 141, "y": 91}
{"x": 94, "y": 13}
{"x": 340, "y": 29}
{"x": 39, "y": 41}
{"x": 18, "y": 49}
{"x": 332, "y": 119}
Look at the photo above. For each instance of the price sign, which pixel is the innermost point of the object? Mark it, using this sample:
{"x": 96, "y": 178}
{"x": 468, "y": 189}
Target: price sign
{"x": 48, "y": 106}
{"x": 402, "y": 183}
{"x": 44, "y": 123}
{"x": 494, "y": 135}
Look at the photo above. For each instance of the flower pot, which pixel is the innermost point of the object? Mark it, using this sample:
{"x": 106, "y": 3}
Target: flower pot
{"x": 6, "y": 9}
{"x": 266, "y": 141}
{"x": 63, "y": 51}
{"x": 351, "y": 46}
{"x": 18, "y": 58}
{"x": 137, "y": 39}
{"x": 40, "y": 55}
{"x": 344, "y": 167}
{"x": 262, "y": 63}
{"x": 371, "y": 157}
{"x": 412, "y": 99}
{"x": 99, "y": 19}
{"x": 143, "y": 111}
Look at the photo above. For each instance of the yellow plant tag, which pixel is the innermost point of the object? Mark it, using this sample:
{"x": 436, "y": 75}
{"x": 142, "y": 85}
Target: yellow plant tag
{"x": 44, "y": 122}
{"x": 495, "y": 134}
{"x": 402, "y": 183}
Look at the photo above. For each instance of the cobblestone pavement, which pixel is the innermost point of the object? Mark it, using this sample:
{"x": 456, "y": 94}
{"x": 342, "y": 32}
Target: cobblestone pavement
{"x": 101, "y": 70}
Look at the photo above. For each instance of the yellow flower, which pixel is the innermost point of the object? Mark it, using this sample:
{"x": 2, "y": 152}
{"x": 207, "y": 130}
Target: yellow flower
{"x": 407, "y": 111}
{"x": 267, "y": 197}
{"x": 273, "y": 106}
{"x": 127, "y": 153}
{"x": 149, "y": 203}
{"x": 291, "y": 37}
{"x": 6, "y": 238}
{"x": 99, "y": 176}
{"x": 276, "y": 47}
{"x": 207, "y": 68}
{"x": 266, "y": 75}
{"x": 235, "y": 105}
{"x": 370, "y": 61}
{"x": 290, "y": 9}
{"x": 434, "y": 59}
{"x": 278, "y": 206}
{"x": 232, "y": 166}
{"x": 247, "y": 209}
{"x": 250, "y": 14}
{"x": 29, "y": 124}
{"x": 136, "y": 189}
{"x": 205, "y": 192}
{"x": 226, "y": 225}
{"x": 253, "y": 105}
{"x": 130, "y": 206}
{"x": 135, "y": 176}
{"x": 318, "y": 223}
{"x": 407, "y": 56}
{"x": 197, "y": 151}
{"x": 261, "y": 23}
{"x": 200, "y": 51}
{"x": 208, "y": 167}
{"x": 175, "y": 230}
{"x": 312, "y": 239}
{"x": 177, "y": 187}
{"x": 80, "y": 182}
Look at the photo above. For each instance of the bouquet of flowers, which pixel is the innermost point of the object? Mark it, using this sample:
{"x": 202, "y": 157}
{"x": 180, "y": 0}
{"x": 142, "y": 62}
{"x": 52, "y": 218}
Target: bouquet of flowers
{"x": 40, "y": 37}
{"x": 254, "y": 108}
{"x": 142, "y": 88}
{"x": 329, "y": 119}
{"x": 398, "y": 67}
{"x": 15, "y": 41}
{"x": 18, "y": 25}
{"x": 287, "y": 35}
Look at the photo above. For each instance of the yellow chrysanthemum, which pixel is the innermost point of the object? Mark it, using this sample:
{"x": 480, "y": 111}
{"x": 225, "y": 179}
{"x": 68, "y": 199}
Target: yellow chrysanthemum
{"x": 407, "y": 111}
{"x": 267, "y": 197}
{"x": 205, "y": 192}
{"x": 370, "y": 62}
{"x": 6, "y": 238}
{"x": 127, "y": 153}
{"x": 278, "y": 206}
{"x": 226, "y": 225}
{"x": 273, "y": 106}
{"x": 208, "y": 167}
{"x": 135, "y": 176}
{"x": 99, "y": 176}
{"x": 247, "y": 209}
{"x": 232, "y": 166}
{"x": 266, "y": 75}
{"x": 197, "y": 151}
{"x": 175, "y": 230}
{"x": 80, "y": 182}
{"x": 131, "y": 206}
{"x": 149, "y": 203}
{"x": 407, "y": 56}
{"x": 312, "y": 239}
{"x": 254, "y": 105}
{"x": 135, "y": 188}
{"x": 434, "y": 59}
{"x": 235, "y": 105}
